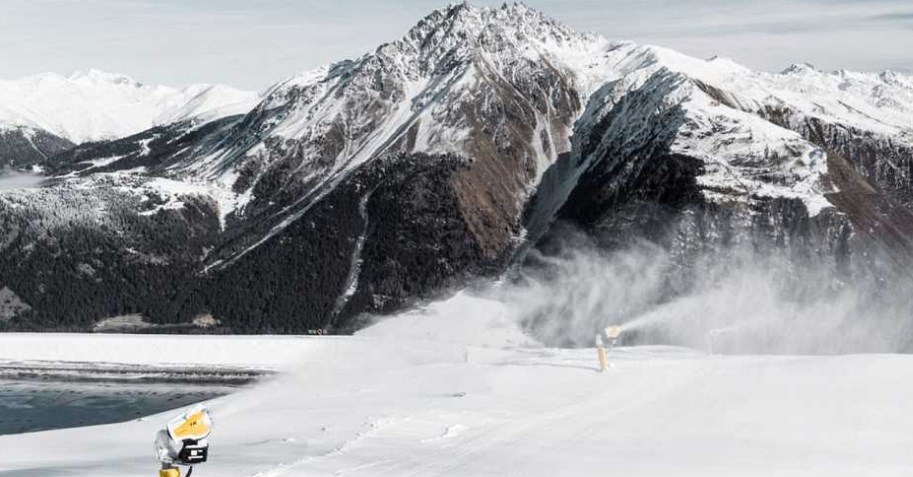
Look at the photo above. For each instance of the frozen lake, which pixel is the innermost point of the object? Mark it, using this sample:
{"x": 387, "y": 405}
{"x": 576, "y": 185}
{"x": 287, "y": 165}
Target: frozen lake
{"x": 19, "y": 180}
{"x": 37, "y": 396}
{"x": 28, "y": 406}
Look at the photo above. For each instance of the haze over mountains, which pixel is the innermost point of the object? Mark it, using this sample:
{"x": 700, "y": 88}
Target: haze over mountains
{"x": 446, "y": 156}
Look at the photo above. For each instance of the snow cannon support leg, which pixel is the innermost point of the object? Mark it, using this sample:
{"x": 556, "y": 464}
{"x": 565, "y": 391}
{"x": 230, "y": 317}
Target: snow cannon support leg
{"x": 612, "y": 333}
{"x": 601, "y": 354}
{"x": 603, "y": 359}
{"x": 169, "y": 471}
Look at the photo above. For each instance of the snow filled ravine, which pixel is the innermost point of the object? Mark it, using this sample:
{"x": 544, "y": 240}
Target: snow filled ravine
{"x": 455, "y": 389}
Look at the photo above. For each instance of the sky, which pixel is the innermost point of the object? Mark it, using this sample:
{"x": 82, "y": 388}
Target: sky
{"x": 251, "y": 44}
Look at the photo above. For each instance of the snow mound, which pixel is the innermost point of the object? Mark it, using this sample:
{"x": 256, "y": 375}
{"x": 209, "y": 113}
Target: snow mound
{"x": 464, "y": 319}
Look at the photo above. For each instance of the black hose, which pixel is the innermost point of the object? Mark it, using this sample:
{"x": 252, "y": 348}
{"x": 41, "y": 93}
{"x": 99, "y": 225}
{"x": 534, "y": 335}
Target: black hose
{"x": 189, "y": 471}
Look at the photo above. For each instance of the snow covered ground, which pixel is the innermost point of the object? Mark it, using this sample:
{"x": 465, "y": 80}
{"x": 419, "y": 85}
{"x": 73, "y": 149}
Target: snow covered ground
{"x": 455, "y": 389}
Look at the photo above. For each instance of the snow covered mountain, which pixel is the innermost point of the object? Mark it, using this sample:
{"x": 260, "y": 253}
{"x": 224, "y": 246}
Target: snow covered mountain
{"x": 444, "y": 155}
{"x": 96, "y": 106}
{"x": 709, "y": 152}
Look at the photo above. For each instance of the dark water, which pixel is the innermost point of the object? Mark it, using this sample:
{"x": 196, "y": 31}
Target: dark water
{"x": 19, "y": 180}
{"x": 27, "y": 406}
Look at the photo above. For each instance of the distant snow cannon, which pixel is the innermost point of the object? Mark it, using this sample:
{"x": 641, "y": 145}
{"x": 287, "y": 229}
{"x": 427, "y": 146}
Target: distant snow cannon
{"x": 612, "y": 333}
{"x": 184, "y": 441}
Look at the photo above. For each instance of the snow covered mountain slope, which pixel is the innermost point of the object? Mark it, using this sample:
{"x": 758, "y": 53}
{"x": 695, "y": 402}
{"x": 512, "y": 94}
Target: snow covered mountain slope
{"x": 431, "y": 161}
{"x": 95, "y": 105}
{"x": 396, "y": 401}
{"x": 476, "y": 101}
{"x": 706, "y": 153}
{"x": 24, "y": 146}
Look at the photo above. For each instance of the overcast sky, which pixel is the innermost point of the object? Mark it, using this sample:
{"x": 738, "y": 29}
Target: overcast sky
{"x": 253, "y": 43}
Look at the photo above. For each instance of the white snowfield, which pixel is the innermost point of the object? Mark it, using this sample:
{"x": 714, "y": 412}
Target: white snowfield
{"x": 456, "y": 390}
{"x": 97, "y": 105}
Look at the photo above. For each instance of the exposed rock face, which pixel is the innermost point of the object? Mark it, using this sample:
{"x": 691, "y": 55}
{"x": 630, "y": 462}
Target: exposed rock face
{"x": 701, "y": 158}
{"x": 441, "y": 157}
{"x": 872, "y": 174}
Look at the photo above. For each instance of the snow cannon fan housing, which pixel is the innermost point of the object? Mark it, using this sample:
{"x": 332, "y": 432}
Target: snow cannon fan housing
{"x": 184, "y": 441}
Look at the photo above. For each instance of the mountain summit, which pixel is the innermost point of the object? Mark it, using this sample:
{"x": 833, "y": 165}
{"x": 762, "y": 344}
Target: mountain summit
{"x": 442, "y": 157}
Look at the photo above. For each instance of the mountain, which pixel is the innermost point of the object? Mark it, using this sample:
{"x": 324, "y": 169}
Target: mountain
{"x": 683, "y": 131}
{"x": 445, "y": 156}
{"x": 23, "y": 146}
{"x": 60, "y": 111}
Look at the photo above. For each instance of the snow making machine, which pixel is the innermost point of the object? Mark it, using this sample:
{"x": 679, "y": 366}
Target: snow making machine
{"x": 612, "y": 333}
{"x": 184, "y": 442}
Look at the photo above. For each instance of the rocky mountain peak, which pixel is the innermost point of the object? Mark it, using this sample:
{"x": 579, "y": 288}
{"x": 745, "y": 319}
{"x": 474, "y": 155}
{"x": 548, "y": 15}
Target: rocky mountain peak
{"x": 98, "y": 76}
{"x": 461, "y": 30}
{"x": 896, "y": 78}
{"x": 800, "y": 68}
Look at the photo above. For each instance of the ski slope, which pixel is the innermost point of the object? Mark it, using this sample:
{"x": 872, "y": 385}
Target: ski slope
{"x": 456, "y": 390}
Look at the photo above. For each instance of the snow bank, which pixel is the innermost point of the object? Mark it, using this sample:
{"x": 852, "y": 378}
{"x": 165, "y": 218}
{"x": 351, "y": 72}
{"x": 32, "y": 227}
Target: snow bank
{"x": 464, "y": 318}
{"x": 261, "y": 352}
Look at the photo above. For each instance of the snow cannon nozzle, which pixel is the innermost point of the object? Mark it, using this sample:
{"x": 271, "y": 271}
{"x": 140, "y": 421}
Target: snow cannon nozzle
{"x": 613, "y": 331}
{"x": 184, "y": 441}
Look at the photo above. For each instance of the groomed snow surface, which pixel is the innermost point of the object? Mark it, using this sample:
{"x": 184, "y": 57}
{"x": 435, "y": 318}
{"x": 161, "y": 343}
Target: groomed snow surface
{"x": 455, "y": 389}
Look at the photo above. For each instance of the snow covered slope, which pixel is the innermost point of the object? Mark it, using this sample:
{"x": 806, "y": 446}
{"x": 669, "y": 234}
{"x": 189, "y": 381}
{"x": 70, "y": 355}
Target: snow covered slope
{"x": 745, "y": 127}
{"x": 25, "y": 146}
{"x": 96, "y": 105}
{"x": 448, "y": 402}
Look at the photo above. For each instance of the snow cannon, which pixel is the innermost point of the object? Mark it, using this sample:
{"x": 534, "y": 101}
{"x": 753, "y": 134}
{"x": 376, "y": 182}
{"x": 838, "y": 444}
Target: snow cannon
{"x": 184, "y": 442}
{"x": 612, "y": 333}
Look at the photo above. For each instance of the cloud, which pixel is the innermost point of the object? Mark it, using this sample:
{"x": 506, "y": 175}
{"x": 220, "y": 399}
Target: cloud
{"x": 731, "y": 300}
{"x": 253, "y": 44}
{"x": 904, "y": 17}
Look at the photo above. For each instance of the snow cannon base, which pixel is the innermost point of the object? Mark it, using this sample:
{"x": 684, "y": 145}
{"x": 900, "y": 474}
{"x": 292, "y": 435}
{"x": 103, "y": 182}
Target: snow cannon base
{"x": 170, "y": 472}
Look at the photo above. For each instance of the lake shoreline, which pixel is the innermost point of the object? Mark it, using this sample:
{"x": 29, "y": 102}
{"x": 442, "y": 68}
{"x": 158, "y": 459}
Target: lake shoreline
{"x": 43, "y": 396}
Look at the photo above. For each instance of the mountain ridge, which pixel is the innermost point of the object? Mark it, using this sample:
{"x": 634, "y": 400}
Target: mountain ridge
{"x": 97, "y": 105}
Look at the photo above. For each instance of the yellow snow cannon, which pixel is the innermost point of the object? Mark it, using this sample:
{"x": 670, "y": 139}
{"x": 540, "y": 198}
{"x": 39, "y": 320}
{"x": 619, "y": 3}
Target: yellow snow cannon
{"x": 601, "y": 354}
{"x": 184, "y": 441}
{"x": 611, "y": 332}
